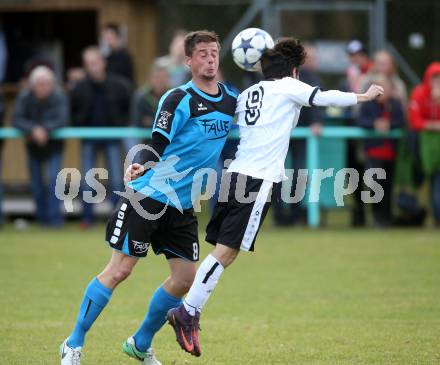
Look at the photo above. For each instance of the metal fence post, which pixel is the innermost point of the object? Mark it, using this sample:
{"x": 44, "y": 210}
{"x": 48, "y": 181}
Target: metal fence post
{"x": 313, "y": 214}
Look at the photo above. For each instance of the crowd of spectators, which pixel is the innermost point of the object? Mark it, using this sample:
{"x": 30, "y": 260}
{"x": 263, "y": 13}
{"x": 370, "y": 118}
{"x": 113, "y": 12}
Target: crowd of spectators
{"x": 417, "y": 116}
{"x": 101, "y": 93}
{"x": 394, "y": 110}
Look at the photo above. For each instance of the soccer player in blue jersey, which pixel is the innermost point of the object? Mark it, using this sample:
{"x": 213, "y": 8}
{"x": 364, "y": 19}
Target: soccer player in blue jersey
{"x": 190, "y": 129}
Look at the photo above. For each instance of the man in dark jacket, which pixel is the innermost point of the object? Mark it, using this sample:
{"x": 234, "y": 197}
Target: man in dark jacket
{"x": 100, "y": 100}
{"x": 383, "y": 114}
{"x": 2, "y": 114}
{"x": 38, "y": 111}
{"x": 146, "y": 99}
{"x": 118, "y": 59}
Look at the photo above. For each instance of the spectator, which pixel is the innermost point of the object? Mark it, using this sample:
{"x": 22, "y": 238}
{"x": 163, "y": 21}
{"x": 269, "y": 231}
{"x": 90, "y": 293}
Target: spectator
{"x": 410, "y": 212}
{"x": 384, "y": 64}
{"x": 74, "y": 75}
{"x": 38, "y": 111}
{"x": 146, "y": 98}
{"x": 145, "y": 101}
{"x": 360, "y": 65}
{"x": 119, "y": 61}
{"x": 3, "y": 53}
{"x": 3, "y": 63}
{"x": 175, "y": 60}
{"x": 382, "y": 115}
{"x": 2, "y": 114}
{"x": 100, "y": 100}
{"x": 424, "y": 116}
{"x": 309, "y": 117}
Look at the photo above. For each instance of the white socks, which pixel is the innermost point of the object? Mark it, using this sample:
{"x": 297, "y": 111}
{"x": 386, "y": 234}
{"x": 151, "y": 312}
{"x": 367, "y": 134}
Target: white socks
{"x": 205, "y": 281}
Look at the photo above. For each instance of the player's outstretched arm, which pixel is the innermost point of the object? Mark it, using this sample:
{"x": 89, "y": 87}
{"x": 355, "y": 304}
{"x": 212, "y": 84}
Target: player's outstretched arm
{"x": 344, "y": 99}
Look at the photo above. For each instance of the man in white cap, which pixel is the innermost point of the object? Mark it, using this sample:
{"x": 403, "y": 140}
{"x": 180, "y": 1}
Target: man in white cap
{"x": 360, "y": 64}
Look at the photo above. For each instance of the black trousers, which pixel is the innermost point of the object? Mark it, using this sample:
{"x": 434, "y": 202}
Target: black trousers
{"x": 382, "y": 211}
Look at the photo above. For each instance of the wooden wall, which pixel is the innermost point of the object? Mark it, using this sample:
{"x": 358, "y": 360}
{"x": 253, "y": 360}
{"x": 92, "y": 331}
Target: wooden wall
{"x": 139, "y": 16}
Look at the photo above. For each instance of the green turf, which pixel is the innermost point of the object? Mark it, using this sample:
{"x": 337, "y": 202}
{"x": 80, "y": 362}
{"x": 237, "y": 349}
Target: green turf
{"x": 306, "y": 297}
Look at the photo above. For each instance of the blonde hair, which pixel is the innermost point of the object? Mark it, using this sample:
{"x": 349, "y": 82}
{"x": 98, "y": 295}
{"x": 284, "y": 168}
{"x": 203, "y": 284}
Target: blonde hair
{"x": 384, "y": 52}
{"x": 382, "y": 80}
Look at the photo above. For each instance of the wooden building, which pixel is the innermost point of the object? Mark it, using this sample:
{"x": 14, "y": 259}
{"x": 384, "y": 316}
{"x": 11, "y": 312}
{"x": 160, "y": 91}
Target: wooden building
{"x": 63, "y": 28}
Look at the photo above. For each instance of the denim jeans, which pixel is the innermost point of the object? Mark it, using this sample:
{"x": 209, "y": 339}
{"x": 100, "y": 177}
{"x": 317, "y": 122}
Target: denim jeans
{"x": 382, "y": 211}
{"x": 1, "y": 190}
{"x": 48, "y": 210}
{"x": 112, "y": 153}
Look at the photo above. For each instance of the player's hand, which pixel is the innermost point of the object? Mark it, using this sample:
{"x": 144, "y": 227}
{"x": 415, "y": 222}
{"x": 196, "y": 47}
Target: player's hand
{"x": 39, "y": 135}
{"x": 133, "y": 172}
{"x": 373, "y": 92}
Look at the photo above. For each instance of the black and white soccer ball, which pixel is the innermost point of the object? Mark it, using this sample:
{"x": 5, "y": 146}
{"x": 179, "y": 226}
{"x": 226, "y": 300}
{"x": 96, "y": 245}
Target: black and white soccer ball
{"x": 248, "y": 47}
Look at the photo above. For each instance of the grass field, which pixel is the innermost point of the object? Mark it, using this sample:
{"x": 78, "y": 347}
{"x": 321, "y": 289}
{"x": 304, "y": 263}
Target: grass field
{"x": 306, "y": 297}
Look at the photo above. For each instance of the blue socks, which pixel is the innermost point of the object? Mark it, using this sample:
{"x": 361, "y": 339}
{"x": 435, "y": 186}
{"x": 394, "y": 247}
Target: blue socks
{"x": 95, "y": 299}
{"x": 160, "y": 303}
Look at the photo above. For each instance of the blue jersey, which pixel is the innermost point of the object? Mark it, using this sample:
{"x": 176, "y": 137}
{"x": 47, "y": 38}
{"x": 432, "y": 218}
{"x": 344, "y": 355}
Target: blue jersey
{"x": 196, "y": 124}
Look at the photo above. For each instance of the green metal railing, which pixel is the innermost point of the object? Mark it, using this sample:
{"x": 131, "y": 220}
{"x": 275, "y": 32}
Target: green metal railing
{"x": 313, "y": 141}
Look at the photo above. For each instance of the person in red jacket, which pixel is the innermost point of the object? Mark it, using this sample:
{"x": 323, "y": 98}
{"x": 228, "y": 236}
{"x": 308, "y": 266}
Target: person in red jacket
{"x": 424, "y": 109}
{"x": 424, "y": 115}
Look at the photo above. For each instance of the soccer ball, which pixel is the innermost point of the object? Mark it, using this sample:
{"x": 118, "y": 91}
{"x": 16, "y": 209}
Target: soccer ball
{"x": 248, "y": 47}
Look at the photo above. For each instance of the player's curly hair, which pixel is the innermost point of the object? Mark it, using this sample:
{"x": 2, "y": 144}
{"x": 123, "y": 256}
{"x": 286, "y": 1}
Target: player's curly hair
{"x": 279, "y": 61}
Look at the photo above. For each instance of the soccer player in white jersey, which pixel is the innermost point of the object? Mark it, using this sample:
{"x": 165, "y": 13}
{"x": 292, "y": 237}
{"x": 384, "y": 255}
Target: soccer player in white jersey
{"x": 267, "y": 112}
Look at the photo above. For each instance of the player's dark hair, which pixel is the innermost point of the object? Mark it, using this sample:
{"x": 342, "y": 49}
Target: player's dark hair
{"x": 279, "y": 61}
{"x": 199, "y": 36}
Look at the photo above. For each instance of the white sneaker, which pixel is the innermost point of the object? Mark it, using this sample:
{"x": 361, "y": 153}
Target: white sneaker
{"x": 69, "y": 355}
{"x": 151, "y": 359}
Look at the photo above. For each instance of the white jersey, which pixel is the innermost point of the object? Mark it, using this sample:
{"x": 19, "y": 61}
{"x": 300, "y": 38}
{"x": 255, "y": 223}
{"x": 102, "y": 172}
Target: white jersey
{"x": 267, "y": 112}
